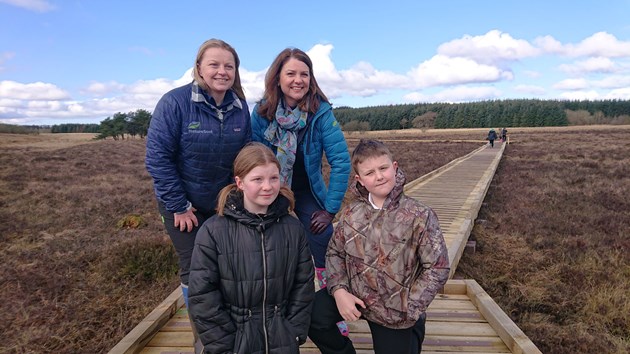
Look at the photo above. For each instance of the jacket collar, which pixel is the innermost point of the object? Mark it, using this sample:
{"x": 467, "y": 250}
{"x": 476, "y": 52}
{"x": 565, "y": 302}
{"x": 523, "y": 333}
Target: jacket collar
{"x": 235, "y": 209}
{"x": 198, "y": 96}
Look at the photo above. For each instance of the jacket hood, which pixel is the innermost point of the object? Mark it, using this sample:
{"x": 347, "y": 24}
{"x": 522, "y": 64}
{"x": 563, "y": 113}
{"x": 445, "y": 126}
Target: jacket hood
{"x": 392, "y": 199}
{"x": 235, "y": 209}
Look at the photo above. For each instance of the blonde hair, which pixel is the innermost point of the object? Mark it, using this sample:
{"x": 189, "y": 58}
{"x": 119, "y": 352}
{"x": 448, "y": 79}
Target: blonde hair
{"x": 251, "y": 156}
{"x": 217, "y": 43}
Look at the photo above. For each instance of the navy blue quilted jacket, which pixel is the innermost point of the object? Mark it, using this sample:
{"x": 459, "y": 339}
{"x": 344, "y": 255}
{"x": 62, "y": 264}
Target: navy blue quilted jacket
{"x": 191, "y": 146}
{"x": 323, "y": 135}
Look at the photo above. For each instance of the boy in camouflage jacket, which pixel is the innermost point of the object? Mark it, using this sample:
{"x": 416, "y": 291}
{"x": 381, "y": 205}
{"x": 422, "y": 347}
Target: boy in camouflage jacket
{"x": 386, "y": 261}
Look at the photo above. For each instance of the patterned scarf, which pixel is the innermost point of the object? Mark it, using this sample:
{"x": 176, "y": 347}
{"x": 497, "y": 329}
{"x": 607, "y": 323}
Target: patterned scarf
{"x": 282, "y": 132}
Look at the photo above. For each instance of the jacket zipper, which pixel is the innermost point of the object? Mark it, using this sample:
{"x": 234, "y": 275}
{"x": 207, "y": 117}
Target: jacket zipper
{"x": 264, "y": 312}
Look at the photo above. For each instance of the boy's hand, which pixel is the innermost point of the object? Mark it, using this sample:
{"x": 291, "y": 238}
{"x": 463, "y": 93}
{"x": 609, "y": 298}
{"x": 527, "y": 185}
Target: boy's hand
{"x": 347, "y": 305}
{"x": 320, "y": 221}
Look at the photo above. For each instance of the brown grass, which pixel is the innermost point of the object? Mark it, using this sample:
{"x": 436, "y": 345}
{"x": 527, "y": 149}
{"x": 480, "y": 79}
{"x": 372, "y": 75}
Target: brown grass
{"x": 553, "y": 247}
{"x": 84, "y": 257}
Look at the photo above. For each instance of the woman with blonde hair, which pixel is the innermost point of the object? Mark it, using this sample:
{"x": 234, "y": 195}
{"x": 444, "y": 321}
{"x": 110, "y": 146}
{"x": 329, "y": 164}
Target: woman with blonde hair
{"x": 195, "y": 133}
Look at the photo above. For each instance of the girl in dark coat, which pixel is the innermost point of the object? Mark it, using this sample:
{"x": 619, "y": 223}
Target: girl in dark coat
{"x": 251, "y": 279}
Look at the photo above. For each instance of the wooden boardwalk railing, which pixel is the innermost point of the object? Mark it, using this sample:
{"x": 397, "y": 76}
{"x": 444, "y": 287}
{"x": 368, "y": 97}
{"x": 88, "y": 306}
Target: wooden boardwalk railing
{"x": 462, "y": 319}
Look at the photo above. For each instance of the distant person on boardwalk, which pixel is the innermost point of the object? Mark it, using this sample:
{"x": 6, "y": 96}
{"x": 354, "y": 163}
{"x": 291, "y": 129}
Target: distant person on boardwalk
{"x": 296, "y": 120}
{"x": 492, "y": 136}
{"x": 504, "y": 135}
{"x": 195, "y": 133}
{"x": 251, "y": 279}
{"x": 386, "y": 261}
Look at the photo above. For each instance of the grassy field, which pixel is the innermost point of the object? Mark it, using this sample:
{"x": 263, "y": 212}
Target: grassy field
{"x": 552, "y": 237}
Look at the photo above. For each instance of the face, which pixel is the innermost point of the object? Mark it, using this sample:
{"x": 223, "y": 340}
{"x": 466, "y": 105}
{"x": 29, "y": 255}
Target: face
{"x": 217, "y": 67}
{"x": 378, "y": 176}
{"x": 260, "y": 187}
{"x": 295, "y": 78}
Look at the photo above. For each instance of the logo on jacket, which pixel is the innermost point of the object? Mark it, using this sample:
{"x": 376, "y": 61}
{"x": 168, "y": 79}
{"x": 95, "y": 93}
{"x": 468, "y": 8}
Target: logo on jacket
{"x": 194, "y": 125}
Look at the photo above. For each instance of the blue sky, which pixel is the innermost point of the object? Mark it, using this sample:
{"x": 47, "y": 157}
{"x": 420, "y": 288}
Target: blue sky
{"x": 83, "y": 61}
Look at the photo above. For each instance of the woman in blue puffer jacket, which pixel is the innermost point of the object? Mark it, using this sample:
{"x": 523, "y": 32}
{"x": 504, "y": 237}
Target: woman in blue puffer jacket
{"x": 195, "y": 134}
{"x": 296, "y": 120}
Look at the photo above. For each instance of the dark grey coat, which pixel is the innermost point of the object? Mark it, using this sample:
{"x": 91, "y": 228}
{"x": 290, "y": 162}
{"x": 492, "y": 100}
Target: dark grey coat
{"x": 251, "y": 281}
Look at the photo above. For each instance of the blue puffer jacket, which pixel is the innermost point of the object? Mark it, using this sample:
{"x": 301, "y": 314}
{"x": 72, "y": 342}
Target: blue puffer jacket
{"x": 323, "y": 135}
{"x": 190, "y": 149}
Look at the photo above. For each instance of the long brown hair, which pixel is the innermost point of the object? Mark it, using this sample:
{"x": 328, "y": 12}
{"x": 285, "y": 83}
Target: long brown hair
{"x": 273, "y": 92}
{"x": 251, "y": 156}
{"x": 217, "y": 43}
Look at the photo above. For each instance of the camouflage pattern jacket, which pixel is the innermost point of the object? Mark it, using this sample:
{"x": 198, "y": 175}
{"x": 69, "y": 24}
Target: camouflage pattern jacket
{"x": 394, "y": 259}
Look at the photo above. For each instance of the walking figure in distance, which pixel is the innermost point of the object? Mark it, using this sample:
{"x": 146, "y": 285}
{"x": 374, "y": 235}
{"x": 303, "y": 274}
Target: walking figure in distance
{"x": 492, "y": 136}
{"x": 386, "y": 261}
{"x": 251, "y": 280}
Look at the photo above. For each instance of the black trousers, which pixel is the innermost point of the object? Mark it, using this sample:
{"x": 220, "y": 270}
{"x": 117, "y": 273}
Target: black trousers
{"x": 183, "y": 241}
{"x": 325, "y": 334}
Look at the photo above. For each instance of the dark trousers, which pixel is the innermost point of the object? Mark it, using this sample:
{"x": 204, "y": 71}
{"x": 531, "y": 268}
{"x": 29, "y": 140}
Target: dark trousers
{"x": 325, "y": 334}
{"x": 491, "y": 142}
{"x": 183, "y": 241}
{"x": 305, "y": 206}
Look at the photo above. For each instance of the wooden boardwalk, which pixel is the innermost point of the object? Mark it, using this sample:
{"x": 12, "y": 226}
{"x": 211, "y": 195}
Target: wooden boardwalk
{"x": 462, "y": 319}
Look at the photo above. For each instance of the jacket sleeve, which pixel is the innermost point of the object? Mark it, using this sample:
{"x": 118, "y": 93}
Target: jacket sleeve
{"x": 338, "y": 157}
{"x": 336, "y": 271}
{"x": 301, "y": 296}
{"x": 258, "y": 130}
{"x": 213, "y": 323}
{"x": 162, "y": 151}
{"x": 248, "y": 122}
{"x": 435, "y": 268}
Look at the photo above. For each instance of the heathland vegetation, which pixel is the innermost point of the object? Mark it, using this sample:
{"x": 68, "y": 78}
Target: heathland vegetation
{"x": 84, "y": 257}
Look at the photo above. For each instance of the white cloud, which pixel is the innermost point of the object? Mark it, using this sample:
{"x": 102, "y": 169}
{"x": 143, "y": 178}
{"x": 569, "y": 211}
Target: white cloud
{"x": 455, "y": 95}
{"x": 571, "y": 84}
{"x": 613, "y": 82}
{"x": 600, "y": 44}
{"x": 580, "y": 95}
{"x": 531, "y": 89}
{"x": 492, "y": 47}
{"x": 32, "y": 91}
{"x": 33, "y": 5}
{"x": 590, "y": 65}
{"x": 620, "y": 94}
{"x": 443, "y": 70}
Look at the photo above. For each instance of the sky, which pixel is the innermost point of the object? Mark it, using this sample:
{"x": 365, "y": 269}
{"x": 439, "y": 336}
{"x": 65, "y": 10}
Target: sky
{"x": 76, "y": 61}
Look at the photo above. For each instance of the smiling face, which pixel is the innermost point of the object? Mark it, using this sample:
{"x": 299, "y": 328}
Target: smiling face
{"x": 378, "y": 176}
{"x": 295, "y": 78}
{"x": 260, "y": 187}
{"x": 217, "y": 68}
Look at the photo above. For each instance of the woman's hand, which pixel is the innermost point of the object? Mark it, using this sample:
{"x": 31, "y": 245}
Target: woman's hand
{"x": 320, "y": 221}
{"x": 186, "y": 221}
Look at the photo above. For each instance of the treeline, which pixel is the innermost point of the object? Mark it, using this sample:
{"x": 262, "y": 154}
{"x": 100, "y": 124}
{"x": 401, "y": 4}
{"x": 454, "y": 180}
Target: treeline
{"x": 19, "y": 129}
{"x": 75, "y": 128}
{"x": 125, "y": 124}
{"x": 485, "y": 114}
